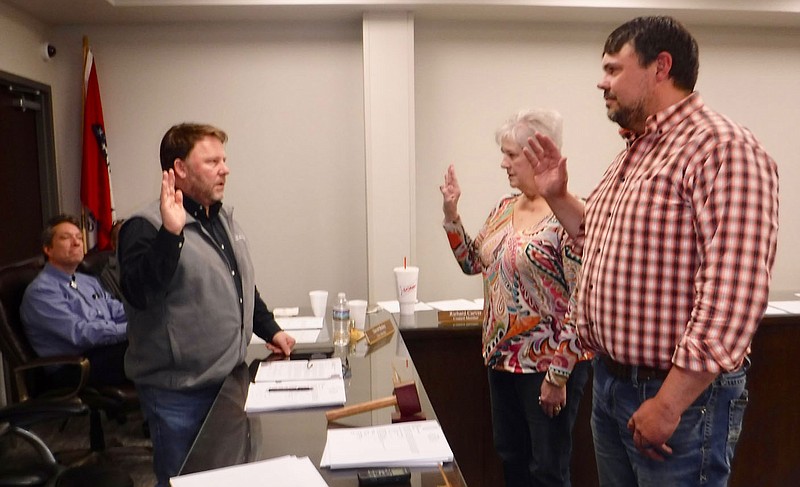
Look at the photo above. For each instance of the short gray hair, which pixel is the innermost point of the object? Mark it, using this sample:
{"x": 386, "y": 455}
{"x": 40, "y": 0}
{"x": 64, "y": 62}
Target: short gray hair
{"x": 527, "y": 122}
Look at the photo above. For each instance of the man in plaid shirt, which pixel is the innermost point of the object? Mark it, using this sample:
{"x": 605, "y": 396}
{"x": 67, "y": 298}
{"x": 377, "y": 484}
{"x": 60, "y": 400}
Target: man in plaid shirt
{"x": 678, "y": 242}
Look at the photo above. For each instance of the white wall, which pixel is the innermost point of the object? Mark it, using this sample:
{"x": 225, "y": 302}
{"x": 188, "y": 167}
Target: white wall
{"x": 290, "y": 98}
{"x": 21, "y": 40}
{"x": 472, "y": 75}
{"x": 290, "y": 95}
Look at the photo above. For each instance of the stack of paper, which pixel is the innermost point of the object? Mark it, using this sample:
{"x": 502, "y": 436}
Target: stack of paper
{"x": 460, "y": 304}
{"x": 304, "y": 329}
{"x": 295, "y": 384}
{"x": 411, "y": 444}
{"x": 288, "y": 471}
{"x": 783, "y": 307}
{"x": 394, "y": 306}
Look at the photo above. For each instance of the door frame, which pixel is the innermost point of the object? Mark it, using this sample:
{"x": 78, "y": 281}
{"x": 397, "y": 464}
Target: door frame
{"x": 48, "y": 174}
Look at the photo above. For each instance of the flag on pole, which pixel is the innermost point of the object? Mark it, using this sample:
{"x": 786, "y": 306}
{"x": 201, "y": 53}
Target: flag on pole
{"x": 97, "y": 213}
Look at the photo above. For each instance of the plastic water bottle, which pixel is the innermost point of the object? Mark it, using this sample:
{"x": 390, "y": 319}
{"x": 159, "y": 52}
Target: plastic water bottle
{"x": 341, "y": 321}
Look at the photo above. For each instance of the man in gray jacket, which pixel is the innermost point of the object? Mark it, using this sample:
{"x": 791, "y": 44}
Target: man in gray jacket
{"x": 192, "y": 302}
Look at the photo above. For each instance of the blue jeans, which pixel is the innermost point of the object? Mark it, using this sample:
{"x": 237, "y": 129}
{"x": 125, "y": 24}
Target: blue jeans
{"x": 535, "y": 449}
{"x": 174, "y": 419}
{"x": 702, "y": 445}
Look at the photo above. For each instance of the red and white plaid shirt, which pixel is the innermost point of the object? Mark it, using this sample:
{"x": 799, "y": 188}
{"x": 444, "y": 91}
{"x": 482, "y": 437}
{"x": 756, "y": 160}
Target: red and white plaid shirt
{"x": 678, "y": 244}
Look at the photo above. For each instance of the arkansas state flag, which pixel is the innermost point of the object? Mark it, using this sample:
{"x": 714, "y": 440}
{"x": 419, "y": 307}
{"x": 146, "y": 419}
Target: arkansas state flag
{"x": 96, "y": 198}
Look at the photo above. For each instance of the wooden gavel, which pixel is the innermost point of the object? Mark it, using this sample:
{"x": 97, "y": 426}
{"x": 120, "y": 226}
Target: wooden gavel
{"x": 405, "y": 398}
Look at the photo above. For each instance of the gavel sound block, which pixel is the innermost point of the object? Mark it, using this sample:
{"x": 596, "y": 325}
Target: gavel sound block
{"x": 405, "y": 398}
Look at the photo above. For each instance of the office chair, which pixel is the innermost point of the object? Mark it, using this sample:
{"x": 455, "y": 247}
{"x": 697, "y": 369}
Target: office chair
{"x": 30, "y": 381}
{"x": 46, "y": 471}
{"x": 17, "y": 418}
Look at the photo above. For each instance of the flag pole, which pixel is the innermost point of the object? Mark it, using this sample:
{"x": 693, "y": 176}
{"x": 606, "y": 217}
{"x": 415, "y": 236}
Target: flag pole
{"x": 84, "y": 233}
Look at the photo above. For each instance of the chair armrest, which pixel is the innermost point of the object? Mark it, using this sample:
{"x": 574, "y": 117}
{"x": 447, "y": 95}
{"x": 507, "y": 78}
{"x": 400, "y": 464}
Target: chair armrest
{"x": 41, "y": 362}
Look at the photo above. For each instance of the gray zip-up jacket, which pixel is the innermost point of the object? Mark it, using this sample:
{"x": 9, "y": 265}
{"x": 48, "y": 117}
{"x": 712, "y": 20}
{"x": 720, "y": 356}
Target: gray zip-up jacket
{"x": 193, "y": 332}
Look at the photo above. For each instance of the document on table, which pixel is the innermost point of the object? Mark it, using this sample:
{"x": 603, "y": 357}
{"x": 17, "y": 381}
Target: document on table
{"x": 300, "y": 322}
{"x": 304, "y": 329}
{"x": 300, "y": 336}
{"x": 410, "y": 444}
{"x": 773, "y": 311}
{"x": 297, "y": 394}
{"x": 291, "y": 370}
{"x": 455, "y": 305}
{"x": 296, "y": 384}
{"x": 288, "y": 471}
{"x": 791, "y": 307}
{"x": 394, "y": 306}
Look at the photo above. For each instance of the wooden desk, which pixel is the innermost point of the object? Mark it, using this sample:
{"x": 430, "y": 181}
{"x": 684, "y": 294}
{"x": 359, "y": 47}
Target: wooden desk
{"x": 448, "y": 359}
{"x": 229, "y": 436}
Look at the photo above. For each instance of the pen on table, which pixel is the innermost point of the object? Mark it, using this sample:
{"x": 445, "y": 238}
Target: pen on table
{"x": 278, "y": 389}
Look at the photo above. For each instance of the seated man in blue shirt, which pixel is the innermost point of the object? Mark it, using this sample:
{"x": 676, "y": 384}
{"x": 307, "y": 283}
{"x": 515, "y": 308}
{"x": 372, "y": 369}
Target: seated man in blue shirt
{"x": 68, "y": 313}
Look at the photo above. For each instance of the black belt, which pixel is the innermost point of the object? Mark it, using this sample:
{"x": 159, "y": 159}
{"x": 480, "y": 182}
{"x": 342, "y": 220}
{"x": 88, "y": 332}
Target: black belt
{"x": 628, "y": 372}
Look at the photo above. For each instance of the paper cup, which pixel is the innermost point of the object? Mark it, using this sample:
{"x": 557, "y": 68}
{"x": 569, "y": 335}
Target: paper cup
{"x": 406, "y": 279}
{"x": 358, "y": 312}
{"x": 319, "y": 302}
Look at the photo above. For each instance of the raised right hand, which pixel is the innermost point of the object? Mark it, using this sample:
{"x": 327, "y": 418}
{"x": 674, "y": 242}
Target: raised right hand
{"x": 173, "y": 216}
{"x": 450, "y": 194}
{"x": 549, "y": 166}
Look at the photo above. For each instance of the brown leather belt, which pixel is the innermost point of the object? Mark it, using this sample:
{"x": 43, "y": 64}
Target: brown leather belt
{"x": 629, "y": 372}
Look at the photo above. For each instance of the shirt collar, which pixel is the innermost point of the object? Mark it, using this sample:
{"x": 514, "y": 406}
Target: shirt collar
{"x": 56, "y": 273}
{"x": 663, "y": 121}
{"x": 198, "y": 211}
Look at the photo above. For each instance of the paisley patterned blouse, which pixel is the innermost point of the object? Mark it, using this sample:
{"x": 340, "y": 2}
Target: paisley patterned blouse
{"x": 528, "y": 280}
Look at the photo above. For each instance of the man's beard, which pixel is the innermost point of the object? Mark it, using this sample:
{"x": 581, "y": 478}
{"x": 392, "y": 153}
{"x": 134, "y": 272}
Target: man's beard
{"x": 628, "y": 117}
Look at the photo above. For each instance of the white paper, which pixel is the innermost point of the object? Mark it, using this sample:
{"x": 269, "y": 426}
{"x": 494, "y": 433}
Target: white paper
{"x": 792, "y": 307}
{"x": 298, "y": 394}
{"x": 286, "y": 311}
{"x": 300, "y": 336}
{"x": 773, "y": 311}
{"x": 304, "y": 336}
{"x": 288, "y": 471}
{"x": 455, "y": 305}
{"x": 293, "y": 370}
{"x": 411, "y": 444}
{"x": 300, "y": 322}
{"x": 394, "y": 306}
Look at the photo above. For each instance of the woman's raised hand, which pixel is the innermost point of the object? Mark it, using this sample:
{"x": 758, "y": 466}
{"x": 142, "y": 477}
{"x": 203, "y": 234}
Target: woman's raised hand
{"x": 450, "y": 194}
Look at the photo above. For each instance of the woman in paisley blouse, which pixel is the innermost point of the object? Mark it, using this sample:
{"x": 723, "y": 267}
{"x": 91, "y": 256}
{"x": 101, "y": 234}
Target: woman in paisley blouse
{"x": 536, "y": 367}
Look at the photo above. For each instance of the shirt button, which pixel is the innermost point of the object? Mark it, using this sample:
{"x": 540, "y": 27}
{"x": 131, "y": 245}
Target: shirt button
{"x": 223, "y": 246}
{"x": 180, "y": 245}
{"x": 241, "y": 301}
{"x": 233, "y": 273}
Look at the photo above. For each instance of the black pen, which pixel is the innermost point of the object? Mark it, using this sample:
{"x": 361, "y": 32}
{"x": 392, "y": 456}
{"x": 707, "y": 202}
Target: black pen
{"x": 278, "y": 389}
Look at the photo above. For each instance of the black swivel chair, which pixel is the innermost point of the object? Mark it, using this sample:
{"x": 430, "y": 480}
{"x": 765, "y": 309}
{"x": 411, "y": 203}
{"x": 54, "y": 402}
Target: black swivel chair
{"x": 46, "y": 471}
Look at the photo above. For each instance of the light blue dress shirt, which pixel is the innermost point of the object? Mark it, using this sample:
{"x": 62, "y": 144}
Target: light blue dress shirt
{"x": 67, "y": 314}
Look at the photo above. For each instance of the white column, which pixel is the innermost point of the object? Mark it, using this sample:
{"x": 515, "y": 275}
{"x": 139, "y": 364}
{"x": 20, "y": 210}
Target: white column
{"x": 389, "y": 146}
